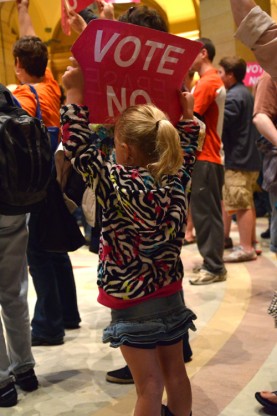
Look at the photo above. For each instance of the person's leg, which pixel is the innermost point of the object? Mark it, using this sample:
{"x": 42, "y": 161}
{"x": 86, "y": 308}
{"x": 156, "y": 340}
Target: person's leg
{"x": 67, "y": 290}
{"x": 13, "y": 297}
{"x": 227, "y": 220}
{"x": 145, "y": 367}
{"x": 176, "y": 381}
{"x": 47, "y": 322}
{"x": 189, "y": 237}
{"x": 246, "y": 224}
{"x": 206, "y": 209}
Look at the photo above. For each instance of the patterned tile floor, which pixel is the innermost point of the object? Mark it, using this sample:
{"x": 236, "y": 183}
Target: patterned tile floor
{"x": 234, "y": 348}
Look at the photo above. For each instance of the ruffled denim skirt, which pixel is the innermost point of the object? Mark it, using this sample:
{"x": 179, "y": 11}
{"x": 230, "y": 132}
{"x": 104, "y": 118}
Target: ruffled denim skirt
{"x": 158, "y": 321}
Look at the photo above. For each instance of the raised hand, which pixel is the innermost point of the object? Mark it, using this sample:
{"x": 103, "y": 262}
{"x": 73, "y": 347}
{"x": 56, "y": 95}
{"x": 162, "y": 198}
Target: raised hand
{"x": 105, "y": 10}
{"x": 187, "y": 103}
{"x": 73, "y": 81}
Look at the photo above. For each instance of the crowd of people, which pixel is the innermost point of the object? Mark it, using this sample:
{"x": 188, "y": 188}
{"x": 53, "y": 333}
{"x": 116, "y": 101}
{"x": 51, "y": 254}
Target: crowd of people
{"x": 146, "y": 181}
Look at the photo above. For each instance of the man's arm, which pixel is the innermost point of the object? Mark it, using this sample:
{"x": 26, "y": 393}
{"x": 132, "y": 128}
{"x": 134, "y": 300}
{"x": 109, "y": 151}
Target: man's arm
{"x": 266, "y": 127}
{"x": 258, "y": 31}
{"x": 24, "y": 20}
{"x": 241, "y": 8}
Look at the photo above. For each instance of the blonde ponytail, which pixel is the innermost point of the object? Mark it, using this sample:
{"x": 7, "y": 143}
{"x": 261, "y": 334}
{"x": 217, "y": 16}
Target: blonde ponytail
{"x": 147, "y": 128}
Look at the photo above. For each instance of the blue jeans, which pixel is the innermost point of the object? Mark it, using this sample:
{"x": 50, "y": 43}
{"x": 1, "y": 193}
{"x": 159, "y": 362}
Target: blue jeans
{"x": 56, "y": 306}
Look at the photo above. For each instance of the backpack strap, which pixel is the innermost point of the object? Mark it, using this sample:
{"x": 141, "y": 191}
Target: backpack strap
{"x": 38, "y": 110}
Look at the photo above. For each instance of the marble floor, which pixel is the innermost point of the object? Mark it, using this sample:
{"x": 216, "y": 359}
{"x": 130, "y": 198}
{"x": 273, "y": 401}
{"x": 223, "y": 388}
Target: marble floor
{"x": 234, "y": 348}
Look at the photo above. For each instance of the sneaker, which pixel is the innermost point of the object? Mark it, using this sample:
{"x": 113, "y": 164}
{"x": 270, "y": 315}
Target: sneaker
{"x": 27, "y": 381}
{"x": 228, "y": 243}
{"x": 45, "y": 342}
{"x": 204, "y": 277}
{"x": 8, "y": 395}
{"x": 257, "y": 247}
{"x": 197, "y": 268}
{"x": 120, "y": 376}
{"x": 239, "y": 255}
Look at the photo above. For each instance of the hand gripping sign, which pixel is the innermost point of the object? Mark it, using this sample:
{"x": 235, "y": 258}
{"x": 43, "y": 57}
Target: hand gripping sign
{"x": 125, "y": 64}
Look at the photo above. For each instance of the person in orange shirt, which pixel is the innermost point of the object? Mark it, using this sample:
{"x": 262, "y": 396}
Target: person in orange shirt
{"x": 208, "y": 175}
{"x": 56, "y": 306}
{"x": 31, "y": 58}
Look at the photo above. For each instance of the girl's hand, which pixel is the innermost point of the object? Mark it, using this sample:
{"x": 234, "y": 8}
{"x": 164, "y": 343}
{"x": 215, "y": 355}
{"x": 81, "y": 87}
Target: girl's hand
{"x": 76, "y": 22}
{"x": 105, "y": 10}
{"x": 73, "y": 82}
{"x": 187, "y": 103}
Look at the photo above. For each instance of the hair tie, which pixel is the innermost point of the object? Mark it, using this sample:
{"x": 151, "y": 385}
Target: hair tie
{"x": 157, "y": 124}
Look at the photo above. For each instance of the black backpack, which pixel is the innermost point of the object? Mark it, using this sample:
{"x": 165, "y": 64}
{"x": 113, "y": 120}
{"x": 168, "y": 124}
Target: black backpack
{"x": 25, "y": 158}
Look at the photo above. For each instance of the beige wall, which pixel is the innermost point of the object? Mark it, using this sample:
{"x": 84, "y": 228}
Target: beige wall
{"x": 216, "y": 22}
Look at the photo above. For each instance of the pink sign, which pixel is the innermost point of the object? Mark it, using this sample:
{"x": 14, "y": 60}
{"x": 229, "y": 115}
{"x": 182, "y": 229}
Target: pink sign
{"x": 76, "y": 5}
{"x": 253, "y": 73}
{"x": 122, "y": 1}
{"x": 125, "y": 64}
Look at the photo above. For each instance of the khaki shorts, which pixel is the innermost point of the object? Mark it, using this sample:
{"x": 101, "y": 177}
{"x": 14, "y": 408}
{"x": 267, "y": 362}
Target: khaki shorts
{"x": 238, "y": 190}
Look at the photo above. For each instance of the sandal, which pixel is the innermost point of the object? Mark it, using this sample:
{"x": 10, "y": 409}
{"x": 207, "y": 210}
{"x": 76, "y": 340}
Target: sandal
{"x": 265, "y": 402}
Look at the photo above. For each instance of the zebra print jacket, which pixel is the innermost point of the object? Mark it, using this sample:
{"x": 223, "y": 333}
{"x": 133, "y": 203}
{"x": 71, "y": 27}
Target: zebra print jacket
{"x": 143, "y": 224}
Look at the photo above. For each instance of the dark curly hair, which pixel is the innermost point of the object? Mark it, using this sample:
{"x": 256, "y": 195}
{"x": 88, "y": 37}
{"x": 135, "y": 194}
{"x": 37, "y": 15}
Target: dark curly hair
{"x": 32, "y": 54}
{"x": 144, "y": 16}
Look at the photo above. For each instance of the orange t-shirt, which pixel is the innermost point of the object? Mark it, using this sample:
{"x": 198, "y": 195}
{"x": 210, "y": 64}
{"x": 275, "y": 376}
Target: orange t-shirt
{"x": 209, "y": 99}
{"x": 49, "y": 94}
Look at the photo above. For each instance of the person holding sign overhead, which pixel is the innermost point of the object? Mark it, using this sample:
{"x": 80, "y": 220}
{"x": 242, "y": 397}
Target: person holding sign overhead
{"x": 158, "y": 57}
{"x": 144, "y": 198}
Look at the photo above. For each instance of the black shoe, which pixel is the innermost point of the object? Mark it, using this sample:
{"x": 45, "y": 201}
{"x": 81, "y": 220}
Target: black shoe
{"x": 8, "y": 395}
{"x": 27, "y": 381}
{"x": 38, "y": 341}
{"x": 166, "y": 412}
{"x": 266, "y": 234}
{"x": 120, "y": 376}
{"x": 272, "y": 407}
{"x": 72, "y": 325}
{"x": 228, "y": 243}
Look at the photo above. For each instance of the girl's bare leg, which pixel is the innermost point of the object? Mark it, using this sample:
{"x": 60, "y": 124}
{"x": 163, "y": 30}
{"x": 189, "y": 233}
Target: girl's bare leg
{"x": 148, "y": 377}
{"x": 176, "y": 381}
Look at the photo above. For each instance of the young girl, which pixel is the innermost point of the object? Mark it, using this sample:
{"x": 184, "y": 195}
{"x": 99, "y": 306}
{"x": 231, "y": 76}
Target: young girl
{"x": 144, "y": 205}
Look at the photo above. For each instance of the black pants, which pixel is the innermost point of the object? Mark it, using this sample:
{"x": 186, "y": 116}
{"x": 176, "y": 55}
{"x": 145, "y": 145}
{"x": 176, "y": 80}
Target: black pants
{"x": 206, "y": 210}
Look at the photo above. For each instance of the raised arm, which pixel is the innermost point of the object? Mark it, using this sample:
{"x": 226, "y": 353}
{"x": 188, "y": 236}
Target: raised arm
{"x": 77, "y": 23}
{"x": 241, "y": 8}
{"x": 24, "y": 20}
{"x": 188, "y": 129}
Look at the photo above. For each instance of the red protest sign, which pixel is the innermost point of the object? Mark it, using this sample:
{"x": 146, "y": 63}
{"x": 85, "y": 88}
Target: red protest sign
{"x": 77, "y": 5}
{"x": 123, "y": 1}
{"x": 125, "y": 64}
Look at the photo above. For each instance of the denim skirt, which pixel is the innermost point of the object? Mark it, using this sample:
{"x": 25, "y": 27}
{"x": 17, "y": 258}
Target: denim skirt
{"x": 154, "y": 322}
